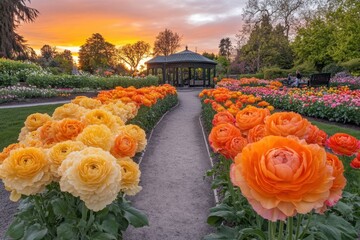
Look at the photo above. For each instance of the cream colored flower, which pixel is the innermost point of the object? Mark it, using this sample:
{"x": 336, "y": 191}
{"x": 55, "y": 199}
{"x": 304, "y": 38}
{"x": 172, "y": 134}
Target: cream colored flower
{"x": 86, "y": 102}
{"x": 96, "y": 136}
{"x": 25, "y": 171}
{"x": 69, "y": 110}
{"x": 60, "y": 151}
{"x": 36, "y": 120}
{"x": 130, "y": 177}
{"x": 23, "y": 132}
{"x": 32, "y": 139}
{"x": 137, "y": 133}
{"x": 93, "y": 175}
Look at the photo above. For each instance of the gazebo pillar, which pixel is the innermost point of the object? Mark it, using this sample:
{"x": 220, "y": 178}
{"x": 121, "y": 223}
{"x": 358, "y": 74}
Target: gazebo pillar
{"x": 204, "y": 76}
{"x": 163, "y": 74}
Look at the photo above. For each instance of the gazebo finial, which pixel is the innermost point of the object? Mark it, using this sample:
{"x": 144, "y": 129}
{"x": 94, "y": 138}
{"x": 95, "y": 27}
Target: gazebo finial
{"x": 186, "y": 47}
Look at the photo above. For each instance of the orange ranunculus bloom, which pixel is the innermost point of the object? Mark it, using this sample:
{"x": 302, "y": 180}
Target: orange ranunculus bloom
{"x": 47, "y": 133}
{"x": 228, "y": 103}
{"x": 286, "y": 124}
{"x": 250, "y": 116}
{"x": 316, "y": 136}
{"x": 124, "y": 146}
{"x": 256, "y": 133}
{"x": 234, "y": 147}
{"x": 281, "y": 176}
{"x": 343, "y": 144}
{"x": 263, "y": 104}
{"x": 221, "y": 134}
{"x": 223, "y": 117}
{"x": 68, "y": 129}
{"x": 339, "y": 179}
{"x": 355, "y": 163}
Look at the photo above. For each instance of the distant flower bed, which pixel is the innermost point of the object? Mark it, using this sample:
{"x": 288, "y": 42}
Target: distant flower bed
{"x": 342, "y": 79}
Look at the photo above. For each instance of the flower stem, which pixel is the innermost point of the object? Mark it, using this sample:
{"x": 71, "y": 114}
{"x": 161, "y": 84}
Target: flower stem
{"x": 281, "y": 229}
{"x": 271, "y": 229}
{"x": 289, "y": 226}
{"x": 298, "y": 224}
{"x": 230, "y": 185}
{"x": 307, "y": 226}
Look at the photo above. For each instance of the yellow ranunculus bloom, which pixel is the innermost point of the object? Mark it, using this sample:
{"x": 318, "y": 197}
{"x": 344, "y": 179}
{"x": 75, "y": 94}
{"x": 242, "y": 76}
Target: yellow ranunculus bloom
{"x": 100, "y": 116}
{"x": 130, "y": 177}
{"x": 69, "y": 110}
{"x": 36, "y": 120}
{"x": 137, "y": 133}
{"x": 97, "y": 136}
{"x": 60, "y": 151}
{"x": 86, "y": 102}
{"x": 25, "y": 171}
{"x": 93, "y": 175}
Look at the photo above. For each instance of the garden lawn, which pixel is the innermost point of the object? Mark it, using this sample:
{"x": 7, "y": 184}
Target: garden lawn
{"x": 331, "y": 129}
{"x": 12, "y": 120}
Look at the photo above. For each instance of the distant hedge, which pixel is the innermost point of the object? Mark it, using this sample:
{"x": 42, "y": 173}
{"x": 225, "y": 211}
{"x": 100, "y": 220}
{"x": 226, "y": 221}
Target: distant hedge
{"x": 94, "y": 82}
{"x": 16, "y": 70}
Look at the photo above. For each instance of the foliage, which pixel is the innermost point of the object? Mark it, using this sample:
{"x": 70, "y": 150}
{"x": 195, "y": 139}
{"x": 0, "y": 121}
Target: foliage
{"x": 306, "y": 68}
{"x": 13, "y": 12}
{"x": 332, "y": 68}
{"x": 19, "y": 93}
{"x": 147, "y": 117}
{"x": 272, "y": 73}
{"x": 96, "y": 53}
{"x": 132, "y": 54}
{"x": 166, "y": 43}
{"x": 266, "y": 47}
{"x": 61, "y": 216}
{"x": 94, "y": 82}
{"x": 352, "y": 66}
{"x": 211, "y": 56}
{"x": 225, "y": 47}
{"x": 58, "y": 62}
{"x": 222, "y": 68}
{"x": 250, "y": 75}
{"x": 19, "y": 70}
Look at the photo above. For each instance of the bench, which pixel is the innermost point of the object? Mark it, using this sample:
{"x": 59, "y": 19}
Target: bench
{"x": 319, "y": 79}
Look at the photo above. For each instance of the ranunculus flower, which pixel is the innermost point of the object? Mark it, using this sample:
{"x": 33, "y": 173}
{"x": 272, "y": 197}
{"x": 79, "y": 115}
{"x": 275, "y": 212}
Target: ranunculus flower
{"x": 47, "y": 133}
{"x": 234, "y": 147}
{"x": 339, "y": 179}
{"x": 88, "y": 103}
{"x": 32, "y": 139}
{"x": 223, "y": 117}
{"x": 93, "y": 175}
{"x": 68, "y": 129}
{"x": 25, "y": 171}
{"x": 343, "y": 144}
{"x": 124, "y": 146}
{"x": 60, "y": 151}
{"x": 96, "y": 136}
{"x": 69, "y": 110}
{"x": 286, "y": 124}
{"x": 251, "y": 116}
{"x": 256, "y": 133}
{"x": 36, "y": 120}
{"x": 281, "y": 177}
{"x": 130, "y": 179}
{"x": 221, "y": 134}
{"x": 6, "y": 151}
{"x": 137, "y": 133}
{"x": 355, "y": 163}
{"x": 315, "y": 135}
{"x": 99, "y": 116}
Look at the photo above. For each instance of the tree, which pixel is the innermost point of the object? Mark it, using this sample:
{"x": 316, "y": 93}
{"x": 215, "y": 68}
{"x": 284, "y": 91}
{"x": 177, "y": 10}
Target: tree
{"x": 132, "y": 54}
{"x": 97, "y": 53}
{"x": 211, "y": 56}
{"x": 48, "y": 52}
{"x": 64, "y": 61}
{"x": 166, "y": 43}
{"x": 225, "y": 47}
{"x": 13, "y": 12}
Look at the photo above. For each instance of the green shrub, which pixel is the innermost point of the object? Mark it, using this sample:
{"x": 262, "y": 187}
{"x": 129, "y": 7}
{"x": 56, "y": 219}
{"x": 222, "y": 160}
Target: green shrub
{"x": 353, "y": 66}
{"x": 332, "y": 68}
{"x": 305, "y": 68}
{"x": 21, "y": 70}
{"x": 7, "y": 80}
{"x": 255, "y": 75}
{"x": 93, "y": 82}
{"x": 275, "y": 72}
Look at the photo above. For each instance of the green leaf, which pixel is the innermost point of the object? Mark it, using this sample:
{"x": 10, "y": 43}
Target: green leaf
{"x": 134, "y": 216}
{"x": 246, "y": 232}
{"x": 35, "y": 232}
{"x": 66, "y": 231}
{"x": 16, "y": 229}
{"x": 110, "y": 225}
{"x": 103, "y": 236}
{"x": 220, "y": 213}
{"x": 223, "y": 233}
{"x": 60, "y": 207}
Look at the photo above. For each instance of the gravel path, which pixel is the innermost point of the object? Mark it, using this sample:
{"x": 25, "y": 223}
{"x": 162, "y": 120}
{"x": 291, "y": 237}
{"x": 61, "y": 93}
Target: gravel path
{"x": 175, "y": 196}
{"x": 7, "y": 210}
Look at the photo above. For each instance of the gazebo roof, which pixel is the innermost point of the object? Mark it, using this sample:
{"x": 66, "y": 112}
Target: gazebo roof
{"x": 185, "y": 56}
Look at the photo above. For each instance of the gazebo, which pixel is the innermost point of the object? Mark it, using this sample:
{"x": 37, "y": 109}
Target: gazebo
{"x": 184, "y": 68}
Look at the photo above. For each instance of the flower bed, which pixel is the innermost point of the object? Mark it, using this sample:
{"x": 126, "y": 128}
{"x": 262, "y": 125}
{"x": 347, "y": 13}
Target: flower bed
{"x": 72, "y": 170}
{"x": 289, "y": 176}
{"x": 338, "y": 104}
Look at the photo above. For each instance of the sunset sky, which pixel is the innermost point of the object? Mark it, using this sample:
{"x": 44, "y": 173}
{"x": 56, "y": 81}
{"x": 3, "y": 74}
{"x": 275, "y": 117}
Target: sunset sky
{"x": 67, "y": 24}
